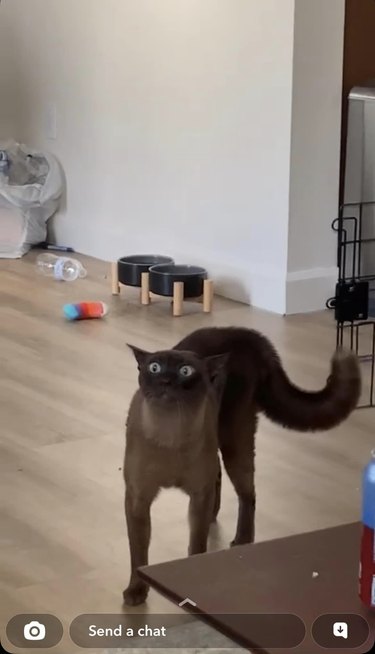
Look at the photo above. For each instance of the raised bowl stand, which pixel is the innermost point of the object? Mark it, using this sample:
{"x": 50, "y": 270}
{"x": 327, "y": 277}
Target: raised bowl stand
{"x": 206, "y": 299}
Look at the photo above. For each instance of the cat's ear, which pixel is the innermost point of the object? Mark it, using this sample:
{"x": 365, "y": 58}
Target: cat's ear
{"x": 216, "y": 366}
{"x": 139, "y": 354}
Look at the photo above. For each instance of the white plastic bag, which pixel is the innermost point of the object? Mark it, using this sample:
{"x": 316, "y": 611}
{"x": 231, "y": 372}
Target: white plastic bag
{"x": 30, "y": 194}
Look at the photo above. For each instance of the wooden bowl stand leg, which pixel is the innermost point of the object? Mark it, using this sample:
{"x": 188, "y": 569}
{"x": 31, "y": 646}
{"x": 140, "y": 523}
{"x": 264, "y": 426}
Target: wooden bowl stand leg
{"x": 115, "y": 282}
{"x": 145, "y": 289}
{"x": 178, "y": 298}
{"x": 208, "y": 295}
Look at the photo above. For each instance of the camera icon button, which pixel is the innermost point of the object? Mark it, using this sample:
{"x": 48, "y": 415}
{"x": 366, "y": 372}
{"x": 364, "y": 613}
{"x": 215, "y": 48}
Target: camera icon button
{"x": 33, "y": 631}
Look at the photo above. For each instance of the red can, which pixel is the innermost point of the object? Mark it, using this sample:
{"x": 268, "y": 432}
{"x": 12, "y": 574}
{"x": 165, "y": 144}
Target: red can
{"x": 367, "y": 568}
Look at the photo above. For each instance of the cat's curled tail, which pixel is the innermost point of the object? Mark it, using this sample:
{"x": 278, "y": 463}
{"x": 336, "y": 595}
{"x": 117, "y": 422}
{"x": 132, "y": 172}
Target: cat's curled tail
{"x": 292, "y": 407}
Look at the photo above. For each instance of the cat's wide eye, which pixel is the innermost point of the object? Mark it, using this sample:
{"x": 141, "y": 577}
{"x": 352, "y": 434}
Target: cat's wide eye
{"x": 187, "y": 371}
{"x": 154, "y": 367}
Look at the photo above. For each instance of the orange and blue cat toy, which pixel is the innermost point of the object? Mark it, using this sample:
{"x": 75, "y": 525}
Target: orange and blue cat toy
{"x": 85, "y": 310}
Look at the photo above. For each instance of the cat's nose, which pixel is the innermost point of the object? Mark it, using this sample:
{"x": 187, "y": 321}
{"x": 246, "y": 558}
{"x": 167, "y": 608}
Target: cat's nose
{"x": 166, "y": 381}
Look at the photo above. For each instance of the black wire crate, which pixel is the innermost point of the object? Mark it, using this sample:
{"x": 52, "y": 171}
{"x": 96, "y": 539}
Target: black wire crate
{"x": 354, "y": 301}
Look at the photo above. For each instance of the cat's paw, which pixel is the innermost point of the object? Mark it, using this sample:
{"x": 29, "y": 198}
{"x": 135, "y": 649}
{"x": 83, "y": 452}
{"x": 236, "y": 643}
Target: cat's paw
{"x": 243, "y": 540}
{"x": 135, "y": 594}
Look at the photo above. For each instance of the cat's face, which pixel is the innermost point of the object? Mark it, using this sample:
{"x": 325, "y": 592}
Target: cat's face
{"x": 175, "y": 377}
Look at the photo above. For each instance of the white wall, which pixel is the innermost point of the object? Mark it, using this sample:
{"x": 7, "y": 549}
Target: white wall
{"x": 315, "y": 152}
{"x": 8, "y": 122}
{"x": 174, "y": 128}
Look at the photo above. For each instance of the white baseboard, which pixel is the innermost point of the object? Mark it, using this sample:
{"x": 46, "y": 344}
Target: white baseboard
{"x": 309, "y": 290}
{"x": 259, "y": 286}
{"x": 302, "y": 291}
{"x": 271, "y": 289}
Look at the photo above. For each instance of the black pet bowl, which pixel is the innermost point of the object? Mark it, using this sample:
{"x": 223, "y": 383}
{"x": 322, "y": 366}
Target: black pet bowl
{"x": 130, "y": 269}
{"x": 162, "y": 278}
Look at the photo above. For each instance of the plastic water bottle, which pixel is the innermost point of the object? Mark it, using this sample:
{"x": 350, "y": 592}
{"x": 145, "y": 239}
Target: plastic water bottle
{"x": 367, "y": 561}
{"x": 60, "y": 268}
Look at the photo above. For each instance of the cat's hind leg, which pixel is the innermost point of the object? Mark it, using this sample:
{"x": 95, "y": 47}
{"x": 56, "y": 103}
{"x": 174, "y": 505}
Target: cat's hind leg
{"x": 238, "y": 452}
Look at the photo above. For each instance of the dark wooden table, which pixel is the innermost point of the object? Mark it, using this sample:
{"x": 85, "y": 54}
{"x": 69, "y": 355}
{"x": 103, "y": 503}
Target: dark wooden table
{"x": 242, "y": 591}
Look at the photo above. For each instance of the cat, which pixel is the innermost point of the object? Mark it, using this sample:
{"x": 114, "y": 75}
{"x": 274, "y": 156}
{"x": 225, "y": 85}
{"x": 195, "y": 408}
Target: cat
{"x": 171, "y": 440}
{"x": 178, "y": 420}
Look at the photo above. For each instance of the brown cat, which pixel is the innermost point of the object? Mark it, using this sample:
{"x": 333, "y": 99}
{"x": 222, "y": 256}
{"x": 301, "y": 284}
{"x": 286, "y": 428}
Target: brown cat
{"x": 202, "y": 396}
{"x": 171, "y": 440}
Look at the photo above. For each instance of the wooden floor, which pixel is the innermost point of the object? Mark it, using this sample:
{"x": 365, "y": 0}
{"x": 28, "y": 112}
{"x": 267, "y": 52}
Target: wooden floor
{"x": 64, "y": 393}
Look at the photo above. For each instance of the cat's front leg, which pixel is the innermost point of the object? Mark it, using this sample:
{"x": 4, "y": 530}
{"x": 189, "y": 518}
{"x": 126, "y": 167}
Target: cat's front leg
{"x": 137, "y": 510}
{"x": 200, "y": 516}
